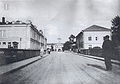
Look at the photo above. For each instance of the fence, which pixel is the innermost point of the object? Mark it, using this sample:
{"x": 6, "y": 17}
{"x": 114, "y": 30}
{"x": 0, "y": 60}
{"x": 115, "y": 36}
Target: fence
{"x": 13, "y": 55}
{"x": 99, "y": 53}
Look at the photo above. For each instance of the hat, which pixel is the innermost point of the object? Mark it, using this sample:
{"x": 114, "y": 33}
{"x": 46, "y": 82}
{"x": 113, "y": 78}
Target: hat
{"x": 107, "y": 36}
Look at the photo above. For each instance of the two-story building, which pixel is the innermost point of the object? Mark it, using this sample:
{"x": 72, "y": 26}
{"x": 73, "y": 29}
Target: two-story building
{"x": 91, "y": 37}
{"x": 25, "y": 34}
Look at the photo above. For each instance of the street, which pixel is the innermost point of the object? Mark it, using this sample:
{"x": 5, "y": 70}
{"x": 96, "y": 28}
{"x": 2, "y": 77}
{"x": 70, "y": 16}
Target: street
{"x": 64, "y": 68}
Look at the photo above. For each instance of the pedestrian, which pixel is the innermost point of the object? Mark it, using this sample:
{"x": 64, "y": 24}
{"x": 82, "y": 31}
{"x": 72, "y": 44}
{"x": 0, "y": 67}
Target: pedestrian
{"x": 107, "y": 52}
{"x": 49, "y": 50}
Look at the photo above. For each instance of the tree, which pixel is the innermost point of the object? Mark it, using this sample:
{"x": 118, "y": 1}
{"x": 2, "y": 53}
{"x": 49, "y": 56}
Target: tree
{"x": 67, "y": 45}
{"x": 73, "y": 43}
{"x": 116, "y": 30}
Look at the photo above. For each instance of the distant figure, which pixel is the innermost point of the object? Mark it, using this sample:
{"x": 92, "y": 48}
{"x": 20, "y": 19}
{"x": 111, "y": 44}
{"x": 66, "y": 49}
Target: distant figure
{"x": 45, "y": 51}
{"x": 48, "y": 50}
{"x": 55, "y": 50}
{"x": 107, "y": 52}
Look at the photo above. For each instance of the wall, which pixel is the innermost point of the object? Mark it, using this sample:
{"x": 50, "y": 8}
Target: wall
{"x": 18, "y": 33}
{"x": 14, "y": 55}
{"x": 94, "y": 34}
{"x": 27, "y": 37}
{"x": 56, "y": 46}
{"x": 38, "y": 41}
{"x": 79, "y": 41}
{"x": 34, "y": 39}
{"x": 99, "y": 53}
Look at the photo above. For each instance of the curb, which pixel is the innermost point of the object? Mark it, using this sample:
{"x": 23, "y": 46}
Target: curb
{"x": 102, "y": 59}
{"x": 22, "y": 66}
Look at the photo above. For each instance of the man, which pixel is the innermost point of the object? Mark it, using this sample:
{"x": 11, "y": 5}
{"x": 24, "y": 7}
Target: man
{"x": 107, "y": 52}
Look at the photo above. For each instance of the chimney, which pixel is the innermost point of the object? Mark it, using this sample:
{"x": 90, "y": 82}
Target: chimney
{"x": 3, "y": 20}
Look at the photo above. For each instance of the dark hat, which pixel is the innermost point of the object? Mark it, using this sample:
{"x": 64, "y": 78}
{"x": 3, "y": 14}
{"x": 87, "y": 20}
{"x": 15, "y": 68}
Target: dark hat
{"x": 107, "y": 36}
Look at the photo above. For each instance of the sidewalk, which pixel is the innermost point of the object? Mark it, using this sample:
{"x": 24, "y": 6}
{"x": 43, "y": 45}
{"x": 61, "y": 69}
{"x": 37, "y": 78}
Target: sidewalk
{"x": 17, "y": 65}
{"x": 98, "y": 58}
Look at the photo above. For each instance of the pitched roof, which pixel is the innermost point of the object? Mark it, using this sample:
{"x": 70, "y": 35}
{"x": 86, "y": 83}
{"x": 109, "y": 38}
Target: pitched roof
{"x": 54, "y": 43}
{"x": 79, "y": 34}
{"x": 96, "y": 28}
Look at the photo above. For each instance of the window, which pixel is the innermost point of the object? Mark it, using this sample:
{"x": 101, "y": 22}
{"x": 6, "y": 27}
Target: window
{"x": 4, "y": 43}
{"x": 4, "y": 33}
{"x": 9, "y": 43}
{"x": 96, "y": 38}
{"x": 89, "y": 38}
{"x": 90, "y": 46}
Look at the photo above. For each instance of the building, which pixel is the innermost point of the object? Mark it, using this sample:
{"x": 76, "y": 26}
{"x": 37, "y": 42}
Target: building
{"x": 25, "y": 34}
{"x": 91, "y": 37}
{"x": 56, "y": 46}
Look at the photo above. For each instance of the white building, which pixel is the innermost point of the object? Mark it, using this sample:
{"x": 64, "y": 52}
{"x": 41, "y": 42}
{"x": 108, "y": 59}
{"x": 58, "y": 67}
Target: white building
{"x": 56, "y": 46}
{"x": 92, "y": 37}
{"x": 26, "y": 34}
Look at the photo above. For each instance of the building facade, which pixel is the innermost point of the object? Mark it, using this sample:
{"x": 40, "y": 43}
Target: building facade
{"x": 56, "y": 46}
{"x": 92, "y": 37}
{"x": 25, "y": 34}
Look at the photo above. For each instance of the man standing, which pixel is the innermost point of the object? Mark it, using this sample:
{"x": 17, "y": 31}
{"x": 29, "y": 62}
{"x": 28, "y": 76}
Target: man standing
{"x": 107, "y": 52}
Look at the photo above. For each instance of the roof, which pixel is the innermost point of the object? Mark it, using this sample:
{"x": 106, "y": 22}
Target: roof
{"x": 54, "y": 43}
{"x": 96, "y": 28}
{"x": 79, "y": 34}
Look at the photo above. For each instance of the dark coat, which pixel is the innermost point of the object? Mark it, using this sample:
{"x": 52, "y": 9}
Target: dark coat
{"x": 108, "y": 48}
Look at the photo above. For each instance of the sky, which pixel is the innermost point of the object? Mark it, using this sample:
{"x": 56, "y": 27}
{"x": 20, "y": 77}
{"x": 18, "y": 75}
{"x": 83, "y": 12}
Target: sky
{"x": 61, "y": 18}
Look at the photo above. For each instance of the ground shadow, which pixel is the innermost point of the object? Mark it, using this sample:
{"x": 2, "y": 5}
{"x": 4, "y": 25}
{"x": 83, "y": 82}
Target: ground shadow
{"x": 97, "y": 66}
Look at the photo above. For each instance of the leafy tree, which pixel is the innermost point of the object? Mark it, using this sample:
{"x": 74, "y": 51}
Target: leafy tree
{"x": 116, "y": 30}
{"x": 67, "y": 45}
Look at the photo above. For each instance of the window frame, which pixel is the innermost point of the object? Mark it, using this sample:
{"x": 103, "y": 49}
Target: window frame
{"x": 89, "y": 38}
{"x": 4, "y": 43}
{"x": 96, "y": 38}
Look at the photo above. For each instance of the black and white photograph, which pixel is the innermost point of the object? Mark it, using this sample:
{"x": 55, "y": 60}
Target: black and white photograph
{"x": 59, "y": 41}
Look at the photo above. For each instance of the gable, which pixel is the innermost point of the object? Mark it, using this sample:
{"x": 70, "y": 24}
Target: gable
{"x": 96, "y": 28}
